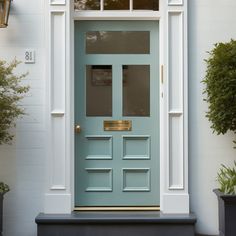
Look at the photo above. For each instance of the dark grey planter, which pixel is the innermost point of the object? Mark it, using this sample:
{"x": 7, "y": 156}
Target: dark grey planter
{"x": 227, "y": 213}
{"x": 1, "y": 212}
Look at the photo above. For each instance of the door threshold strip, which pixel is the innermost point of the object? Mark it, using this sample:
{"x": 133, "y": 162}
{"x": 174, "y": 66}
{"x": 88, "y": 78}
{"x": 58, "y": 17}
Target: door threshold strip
{"x": 156, "y": 208}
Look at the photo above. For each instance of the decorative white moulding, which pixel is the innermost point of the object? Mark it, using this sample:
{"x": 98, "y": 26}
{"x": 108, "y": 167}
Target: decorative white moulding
{"x": 58, "y": 2}
{"x": 5, "y": 6}
{"x": 175, "y": 2}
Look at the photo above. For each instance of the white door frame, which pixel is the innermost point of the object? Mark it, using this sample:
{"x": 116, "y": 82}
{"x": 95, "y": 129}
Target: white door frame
{"x": 60, "y": 16}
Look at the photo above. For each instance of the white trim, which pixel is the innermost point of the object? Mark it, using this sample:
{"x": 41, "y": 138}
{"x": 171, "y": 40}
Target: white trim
{"x": 131, "y": 5}
{"x": 57, "y": 2}
{"x": 177, "y": 191}
{"x": 175, "y": 203}
{"x": 162, "y": 76}
{"x": 57, "y": 203}
{"x": 59, "y": 196}
{"x": 57, "y": 94}
{"x": 116, "y": 15}
{"x": 71, "y": 104}
{"x": 58, "y": 187}
{"x": 175, "y": 2}
{"x": 175, "y": 99}
{"x": 102, "y": 5}
{"x": 175, "y": 112}
{"x": 185, "y": 95}
{"x": 57, "y": 113}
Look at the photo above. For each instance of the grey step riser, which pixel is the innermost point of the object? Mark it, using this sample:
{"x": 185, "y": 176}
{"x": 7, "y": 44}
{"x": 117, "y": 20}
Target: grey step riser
{"x": 116, "y": 230}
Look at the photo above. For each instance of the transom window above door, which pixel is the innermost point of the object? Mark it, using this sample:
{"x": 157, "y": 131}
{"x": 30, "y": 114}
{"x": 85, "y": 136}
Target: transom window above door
{"x": 101, "y": 5}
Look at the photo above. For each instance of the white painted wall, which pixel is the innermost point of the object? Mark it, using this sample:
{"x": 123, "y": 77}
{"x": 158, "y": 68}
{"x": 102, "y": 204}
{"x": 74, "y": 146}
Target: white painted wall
{"x": 209, "y": 22}
{"x": 23, "y": 165}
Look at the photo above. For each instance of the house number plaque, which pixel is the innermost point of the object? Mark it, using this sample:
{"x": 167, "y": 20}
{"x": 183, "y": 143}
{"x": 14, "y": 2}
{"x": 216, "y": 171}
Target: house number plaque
{"x": 117, "y": 125}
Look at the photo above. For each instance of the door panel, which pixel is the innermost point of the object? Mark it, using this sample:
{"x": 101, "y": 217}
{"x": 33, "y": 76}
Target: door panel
{"x": 116, "y": 168}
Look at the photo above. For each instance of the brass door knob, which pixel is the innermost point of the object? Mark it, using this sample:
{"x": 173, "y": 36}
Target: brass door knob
{"x": 77, "y": 129}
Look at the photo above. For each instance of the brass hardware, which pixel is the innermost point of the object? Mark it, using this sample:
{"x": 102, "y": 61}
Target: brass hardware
{"x": 157, "y": 208}
{"x": 77, "y": 129}
{"x": 162, "y": 74}
{"x": 117, "y": 125}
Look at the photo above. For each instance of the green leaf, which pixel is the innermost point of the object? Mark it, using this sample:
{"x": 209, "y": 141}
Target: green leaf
{"x": 226, "y": 178}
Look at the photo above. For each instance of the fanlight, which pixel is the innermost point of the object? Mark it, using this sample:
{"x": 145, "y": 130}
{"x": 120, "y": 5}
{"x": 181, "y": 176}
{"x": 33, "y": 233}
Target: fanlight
{"x": 5, "y": 6}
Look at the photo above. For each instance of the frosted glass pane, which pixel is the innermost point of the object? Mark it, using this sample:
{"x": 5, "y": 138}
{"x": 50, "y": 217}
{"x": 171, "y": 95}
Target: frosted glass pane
{"x": 118, "y": 42}
{"x": 99, "y": 90}
{"x": 136, "y": 90}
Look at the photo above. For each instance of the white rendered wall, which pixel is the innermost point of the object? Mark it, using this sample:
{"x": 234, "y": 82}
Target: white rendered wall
{"x": 209, "y": 22}
{"x": 22, "y": 165}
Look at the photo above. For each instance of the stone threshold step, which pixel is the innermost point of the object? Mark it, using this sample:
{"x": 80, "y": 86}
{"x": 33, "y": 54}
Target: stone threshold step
{"x": 115, "y": 224}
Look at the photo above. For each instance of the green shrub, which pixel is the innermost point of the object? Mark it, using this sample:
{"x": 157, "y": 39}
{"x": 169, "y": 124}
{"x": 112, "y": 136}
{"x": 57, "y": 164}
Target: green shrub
{"x": 4, "y": 188}
{"x": 220, "y": 90}
{"x": 227, "y": 179}
{"x": 11, "y": 92}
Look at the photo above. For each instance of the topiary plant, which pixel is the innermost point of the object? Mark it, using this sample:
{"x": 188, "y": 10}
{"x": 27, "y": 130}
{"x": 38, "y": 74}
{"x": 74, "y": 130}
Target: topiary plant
{"x": 11, "y": 92}
{"x": 220, "y": 90}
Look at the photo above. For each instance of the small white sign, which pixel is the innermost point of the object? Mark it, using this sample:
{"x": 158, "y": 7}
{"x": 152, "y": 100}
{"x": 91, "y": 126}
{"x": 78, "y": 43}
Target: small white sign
{"x": 29, "y": 56}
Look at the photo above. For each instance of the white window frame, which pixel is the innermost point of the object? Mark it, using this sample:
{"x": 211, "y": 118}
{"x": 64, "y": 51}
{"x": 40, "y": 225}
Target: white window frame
{"x": 102, "y": 8}
{"x": 60, "y": 17}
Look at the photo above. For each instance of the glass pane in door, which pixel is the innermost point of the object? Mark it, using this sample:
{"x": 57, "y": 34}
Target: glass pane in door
{"x": 99, "y": 90}
{"x": 136, "y": 90}
{"x": 118, "y": 42}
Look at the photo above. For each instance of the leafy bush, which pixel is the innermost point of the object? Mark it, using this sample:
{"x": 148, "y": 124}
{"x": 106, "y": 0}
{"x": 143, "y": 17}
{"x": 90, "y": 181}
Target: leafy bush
{"x": 220, "y": 81}
{"x": 4, "y": 188}
{"x": 227, "y": 179}
{"x": 11, "y": 92}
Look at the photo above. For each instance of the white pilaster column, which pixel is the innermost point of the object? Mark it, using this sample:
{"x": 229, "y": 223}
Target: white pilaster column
{"x": 174, "y": 154}
{"x": 58, "y": 194}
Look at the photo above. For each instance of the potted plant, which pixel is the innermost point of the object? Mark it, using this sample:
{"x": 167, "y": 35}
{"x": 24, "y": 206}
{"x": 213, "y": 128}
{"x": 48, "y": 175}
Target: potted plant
{"x": 226, "y": 195}
{"x": 220, "y": 90}
{"x": 11, "y": 92}
{"x": 4, "y": 188}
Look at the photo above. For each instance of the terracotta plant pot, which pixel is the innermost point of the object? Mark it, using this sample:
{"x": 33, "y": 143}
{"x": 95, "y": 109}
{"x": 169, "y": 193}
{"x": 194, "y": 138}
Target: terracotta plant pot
{"x": 227, "y": 213}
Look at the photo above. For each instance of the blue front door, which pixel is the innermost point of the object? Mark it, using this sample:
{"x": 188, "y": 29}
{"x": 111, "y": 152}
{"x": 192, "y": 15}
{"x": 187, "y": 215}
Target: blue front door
{"x": 117, "y": 109}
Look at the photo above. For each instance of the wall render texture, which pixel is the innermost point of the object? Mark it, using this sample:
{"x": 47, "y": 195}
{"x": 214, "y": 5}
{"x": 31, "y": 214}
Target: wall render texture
{"x": 209, "y": 22}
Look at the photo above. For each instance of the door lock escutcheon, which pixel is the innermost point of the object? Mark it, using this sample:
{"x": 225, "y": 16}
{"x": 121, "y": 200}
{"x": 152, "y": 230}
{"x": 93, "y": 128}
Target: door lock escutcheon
{"x": 77, "y": 129}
